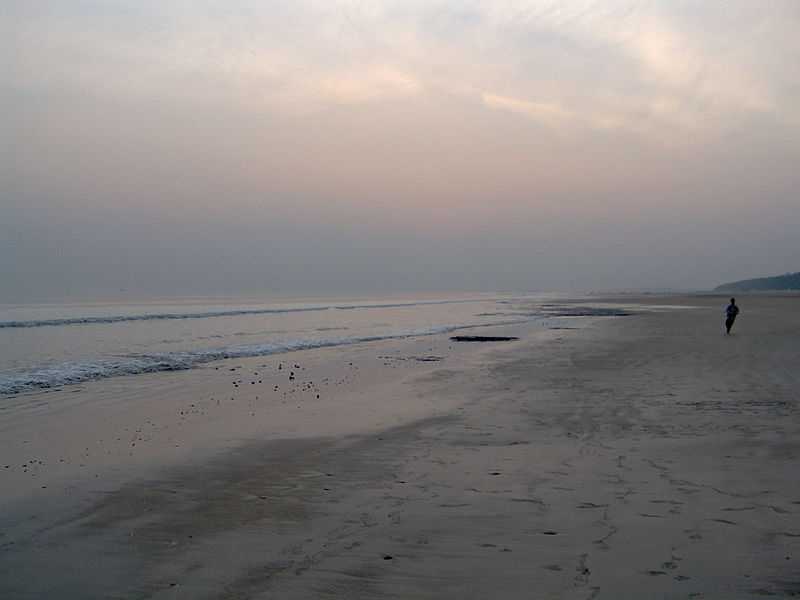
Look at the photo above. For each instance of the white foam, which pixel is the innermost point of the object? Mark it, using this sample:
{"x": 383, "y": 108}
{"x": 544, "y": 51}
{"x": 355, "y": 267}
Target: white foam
{"x": 69, "y": 373}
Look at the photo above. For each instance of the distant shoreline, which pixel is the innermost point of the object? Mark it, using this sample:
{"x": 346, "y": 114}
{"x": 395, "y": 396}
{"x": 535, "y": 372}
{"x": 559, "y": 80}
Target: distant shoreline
{"x": 778, "y": 283}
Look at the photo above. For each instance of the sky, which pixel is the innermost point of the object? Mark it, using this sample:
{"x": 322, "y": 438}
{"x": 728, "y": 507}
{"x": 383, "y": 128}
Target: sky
{"x": 198, "y": 147}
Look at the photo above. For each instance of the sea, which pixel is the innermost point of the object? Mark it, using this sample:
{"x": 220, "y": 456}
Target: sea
{"x": 49, "y": 346}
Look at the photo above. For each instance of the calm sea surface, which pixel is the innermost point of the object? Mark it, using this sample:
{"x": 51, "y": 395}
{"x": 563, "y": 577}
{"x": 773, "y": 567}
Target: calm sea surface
{"x": 47, "y": 346}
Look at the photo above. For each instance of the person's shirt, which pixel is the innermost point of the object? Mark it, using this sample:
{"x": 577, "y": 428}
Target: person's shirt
{"x": 732, "y": 310}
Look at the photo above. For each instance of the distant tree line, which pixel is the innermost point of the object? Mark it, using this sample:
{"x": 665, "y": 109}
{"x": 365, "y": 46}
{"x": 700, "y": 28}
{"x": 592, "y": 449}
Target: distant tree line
{"x": 790, "y": 281}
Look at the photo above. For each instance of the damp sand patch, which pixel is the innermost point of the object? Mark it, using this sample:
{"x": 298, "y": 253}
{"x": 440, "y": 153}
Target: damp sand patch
{"x": 584, "y": 311}
{"x": 482, "y": 338}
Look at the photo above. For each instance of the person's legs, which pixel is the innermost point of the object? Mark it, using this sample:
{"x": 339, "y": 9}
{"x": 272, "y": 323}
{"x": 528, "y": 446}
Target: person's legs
{"x": 728, "y": 324}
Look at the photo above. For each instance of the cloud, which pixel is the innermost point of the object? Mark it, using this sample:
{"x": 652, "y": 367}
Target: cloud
{"x": 606, "y": 66}
{"x": 649, "y": 69}
{"x": 545, "y": 119}
{"x": 548, "y": 113}
{"x": 672, "y": 61}
{"x": 371, "y": 83}
{"x": 562, "y": 119}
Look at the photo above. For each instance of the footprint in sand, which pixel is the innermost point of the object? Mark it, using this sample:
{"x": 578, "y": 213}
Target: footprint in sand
{"x": 693, "y": 534}
{"x": 529, "y": 501}
{"x": 777, "y": 509}
{"x": 583, "y": 571}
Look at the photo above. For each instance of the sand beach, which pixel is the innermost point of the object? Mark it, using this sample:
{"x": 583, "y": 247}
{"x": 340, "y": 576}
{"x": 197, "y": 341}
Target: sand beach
{"x": 640, "y": 456}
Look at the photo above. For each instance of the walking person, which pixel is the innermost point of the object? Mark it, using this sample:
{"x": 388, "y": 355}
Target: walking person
{"x": 730, "y": 315}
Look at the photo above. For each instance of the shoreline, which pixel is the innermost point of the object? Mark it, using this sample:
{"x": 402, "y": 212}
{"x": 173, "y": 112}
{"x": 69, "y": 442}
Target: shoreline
{"x": 128, "y": 426}
{"x": 631, "y": 457}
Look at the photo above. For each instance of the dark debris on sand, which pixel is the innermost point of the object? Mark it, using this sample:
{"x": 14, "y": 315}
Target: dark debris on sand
{"x": 482, "y": 338}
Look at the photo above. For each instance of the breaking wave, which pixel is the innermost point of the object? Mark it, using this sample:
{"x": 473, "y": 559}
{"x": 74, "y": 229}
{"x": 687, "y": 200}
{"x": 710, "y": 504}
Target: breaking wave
{"x": 69, "y": 373}
{"x": 209, "y": 314}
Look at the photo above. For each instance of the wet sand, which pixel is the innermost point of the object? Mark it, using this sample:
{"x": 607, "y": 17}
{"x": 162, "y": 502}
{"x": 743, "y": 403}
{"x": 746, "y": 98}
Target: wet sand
{"x": 644, "y": 456}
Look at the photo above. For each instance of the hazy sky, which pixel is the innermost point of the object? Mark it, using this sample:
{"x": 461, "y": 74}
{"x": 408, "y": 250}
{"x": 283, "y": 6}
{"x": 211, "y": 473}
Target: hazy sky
{"x": 323, "y": 146}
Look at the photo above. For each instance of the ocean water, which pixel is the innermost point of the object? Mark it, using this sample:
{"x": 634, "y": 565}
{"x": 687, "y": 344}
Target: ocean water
{"x": 43, "y": 347}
